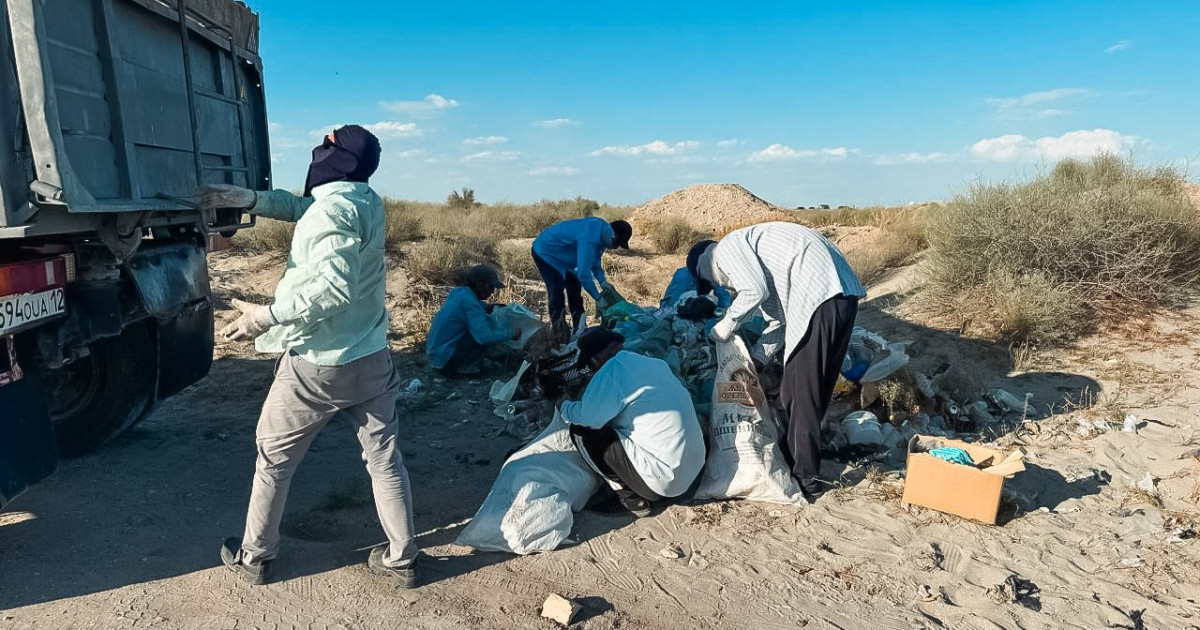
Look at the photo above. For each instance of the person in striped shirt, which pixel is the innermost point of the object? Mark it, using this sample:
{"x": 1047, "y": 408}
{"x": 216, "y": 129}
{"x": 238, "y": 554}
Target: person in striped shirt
{"x": 808, "y": 295}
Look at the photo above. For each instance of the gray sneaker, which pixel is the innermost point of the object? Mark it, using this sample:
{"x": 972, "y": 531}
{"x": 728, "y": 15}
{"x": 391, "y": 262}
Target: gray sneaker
{"x": 408, "y": 577}
{"x": 231, "y": 554}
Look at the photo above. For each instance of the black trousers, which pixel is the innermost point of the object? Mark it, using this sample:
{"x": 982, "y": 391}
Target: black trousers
{"x": 809, "y": 376}
{"x": 604, "y": 448}
{"x": 559, "y": 286}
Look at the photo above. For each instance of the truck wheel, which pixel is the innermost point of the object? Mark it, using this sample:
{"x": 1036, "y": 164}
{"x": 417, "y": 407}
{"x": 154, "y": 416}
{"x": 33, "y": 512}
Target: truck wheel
{"x": 96, "y": 397}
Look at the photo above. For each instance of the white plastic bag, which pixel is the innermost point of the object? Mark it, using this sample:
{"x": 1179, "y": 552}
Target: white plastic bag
{"x": 532, "y": 503}
{"x": 886, "y": 363}
{"x": 744, "y": 460}
{"x": 519, "y": 318}
{"x": 503, "y": 391}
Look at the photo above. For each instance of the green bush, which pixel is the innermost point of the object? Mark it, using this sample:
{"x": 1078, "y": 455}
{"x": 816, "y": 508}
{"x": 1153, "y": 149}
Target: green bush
{"x": 1089, "y": 243}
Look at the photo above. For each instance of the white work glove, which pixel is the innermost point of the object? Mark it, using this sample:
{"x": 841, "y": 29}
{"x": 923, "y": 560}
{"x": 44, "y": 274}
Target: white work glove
{"x": 225, "y": 196}
{"x": 722, "y": 331}
{"x": 254, "y": 321}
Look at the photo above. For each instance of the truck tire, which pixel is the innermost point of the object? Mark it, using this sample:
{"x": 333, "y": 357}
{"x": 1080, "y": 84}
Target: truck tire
{"x": 94, "y": 398}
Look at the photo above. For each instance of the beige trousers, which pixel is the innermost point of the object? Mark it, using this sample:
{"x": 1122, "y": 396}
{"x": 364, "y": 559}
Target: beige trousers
{"x": 303, "y": 398}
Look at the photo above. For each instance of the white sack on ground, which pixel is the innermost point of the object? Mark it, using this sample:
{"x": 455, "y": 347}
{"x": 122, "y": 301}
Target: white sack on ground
{"x": 744, "y": 460}
{"x": 532, "y": 503}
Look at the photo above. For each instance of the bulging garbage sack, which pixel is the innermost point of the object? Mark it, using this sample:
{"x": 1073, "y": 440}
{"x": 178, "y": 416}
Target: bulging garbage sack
{"x": 744, "y": 460}
{"x": 518, "y": 317}
{"x": 531, "y": 506}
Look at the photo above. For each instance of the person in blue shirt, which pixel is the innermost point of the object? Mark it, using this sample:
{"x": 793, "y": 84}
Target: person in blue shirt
{"x": 682, "y": 282}
{"x": 464, "y": 326}
{"x": 567, "y": 255}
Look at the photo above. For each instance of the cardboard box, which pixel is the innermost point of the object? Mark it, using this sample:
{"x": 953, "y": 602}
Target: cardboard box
{"x": 958, "y": 489}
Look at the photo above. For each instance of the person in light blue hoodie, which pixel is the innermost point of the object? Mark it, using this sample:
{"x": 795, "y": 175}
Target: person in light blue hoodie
{"x": 567, "y": 255}
{"x": 463, "y": 328}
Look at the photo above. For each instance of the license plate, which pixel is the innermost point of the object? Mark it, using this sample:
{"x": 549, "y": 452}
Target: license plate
{"x": 16, "y": 311}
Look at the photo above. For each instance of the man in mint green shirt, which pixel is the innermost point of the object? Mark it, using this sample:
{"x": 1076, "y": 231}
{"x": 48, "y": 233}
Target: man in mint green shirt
{"x": 329, "y": 319}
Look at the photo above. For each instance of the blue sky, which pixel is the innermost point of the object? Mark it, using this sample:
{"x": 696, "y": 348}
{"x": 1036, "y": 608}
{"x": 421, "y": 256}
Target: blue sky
{"x": 803, "y": 103}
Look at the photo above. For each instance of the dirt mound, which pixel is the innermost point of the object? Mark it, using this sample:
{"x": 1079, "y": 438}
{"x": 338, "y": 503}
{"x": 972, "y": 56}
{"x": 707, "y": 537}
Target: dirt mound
{"x": 710, "y": 208}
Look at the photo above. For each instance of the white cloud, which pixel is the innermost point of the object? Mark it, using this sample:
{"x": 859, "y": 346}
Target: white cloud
{"x": 657, "y": 147}
{"x": 393, "y": 129}
{"x": 912, "y": 158}
{"x": 781, "y": 153}
{"x": 725, "y": 144}
{"x": 482, "y": 140}
{"x": 556, "y": 122}
{"x": 274, "y": 126}
{"x": 410, "y": 153}
{"x": 563, "y": 171}
{"x": 1124, "y": 44}
{"x": 382, "y": 129}
{"x": 1037, "y": 104}
{"x": 1077, "y": 144}
{"x": 431, "y": 104}
{"x": 493, "y": 156}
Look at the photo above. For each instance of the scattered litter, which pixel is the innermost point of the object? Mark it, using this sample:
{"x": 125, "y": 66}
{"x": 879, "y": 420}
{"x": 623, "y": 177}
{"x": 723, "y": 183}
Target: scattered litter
{"x": 1131, "y": 563}
{"x": 862, "y": 428}
{"x": 1008, "y": 402}
{"x": 952, "y": 455}
{"x": 1018, "y": 590}
{"x": 1147, "y": 484}
{"x": 1130, "y": 425}
{"x": 671, "y": 552}
{"x": 413, "y": 386}
{"x": 1180, "y": 534}
{"x": 560, "y": 609}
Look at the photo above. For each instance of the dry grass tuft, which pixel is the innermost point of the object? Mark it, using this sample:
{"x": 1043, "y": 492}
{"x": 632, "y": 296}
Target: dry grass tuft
{"x": 672, "y": 236}
{"x": 440, "y": 261}
{"x": 268, "y": 236}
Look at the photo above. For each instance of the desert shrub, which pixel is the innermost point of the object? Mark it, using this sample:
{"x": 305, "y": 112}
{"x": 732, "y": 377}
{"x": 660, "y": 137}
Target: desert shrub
{"x": 402, "y": 225}
{"x": 899, "y": 238}
{"x": 672, "y": 236}
{"x": 1088, "y": 243}
{"x": 268, "y": 236}
{"x": 440, "y": 261}
{"x": 461, "y": 199}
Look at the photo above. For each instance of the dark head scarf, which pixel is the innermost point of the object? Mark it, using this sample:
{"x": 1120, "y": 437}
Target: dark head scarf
{"x": 703, "y": 287}
{"x": 593, "y": 341}
{"x": 353, "y": 156}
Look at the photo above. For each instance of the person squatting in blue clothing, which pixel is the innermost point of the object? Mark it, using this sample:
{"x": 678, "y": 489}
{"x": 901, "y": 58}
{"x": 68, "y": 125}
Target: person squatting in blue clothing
{"x": 568, "y": 254}
{"x": 464, "y": 327}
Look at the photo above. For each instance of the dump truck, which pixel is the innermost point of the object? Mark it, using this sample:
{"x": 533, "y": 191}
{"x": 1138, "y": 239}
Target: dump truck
{"x": 112, "y": 112}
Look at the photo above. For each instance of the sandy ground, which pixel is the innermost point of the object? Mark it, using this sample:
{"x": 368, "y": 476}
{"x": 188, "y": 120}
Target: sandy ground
{"x": 128, "y": 537}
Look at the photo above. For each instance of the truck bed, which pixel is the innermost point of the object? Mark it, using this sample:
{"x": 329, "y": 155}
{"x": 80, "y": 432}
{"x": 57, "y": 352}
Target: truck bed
{"x": 118, "y": 114}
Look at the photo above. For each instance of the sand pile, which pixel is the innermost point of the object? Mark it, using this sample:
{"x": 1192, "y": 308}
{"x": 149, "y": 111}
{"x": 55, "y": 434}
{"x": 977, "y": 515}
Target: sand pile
{"x": 710, "y": 208}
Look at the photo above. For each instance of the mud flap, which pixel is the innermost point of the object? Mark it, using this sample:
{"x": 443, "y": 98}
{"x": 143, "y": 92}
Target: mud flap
{"x": 185, "y": 348}
{"x": 172, "y": 282}
{"x": 28, "y": 451}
